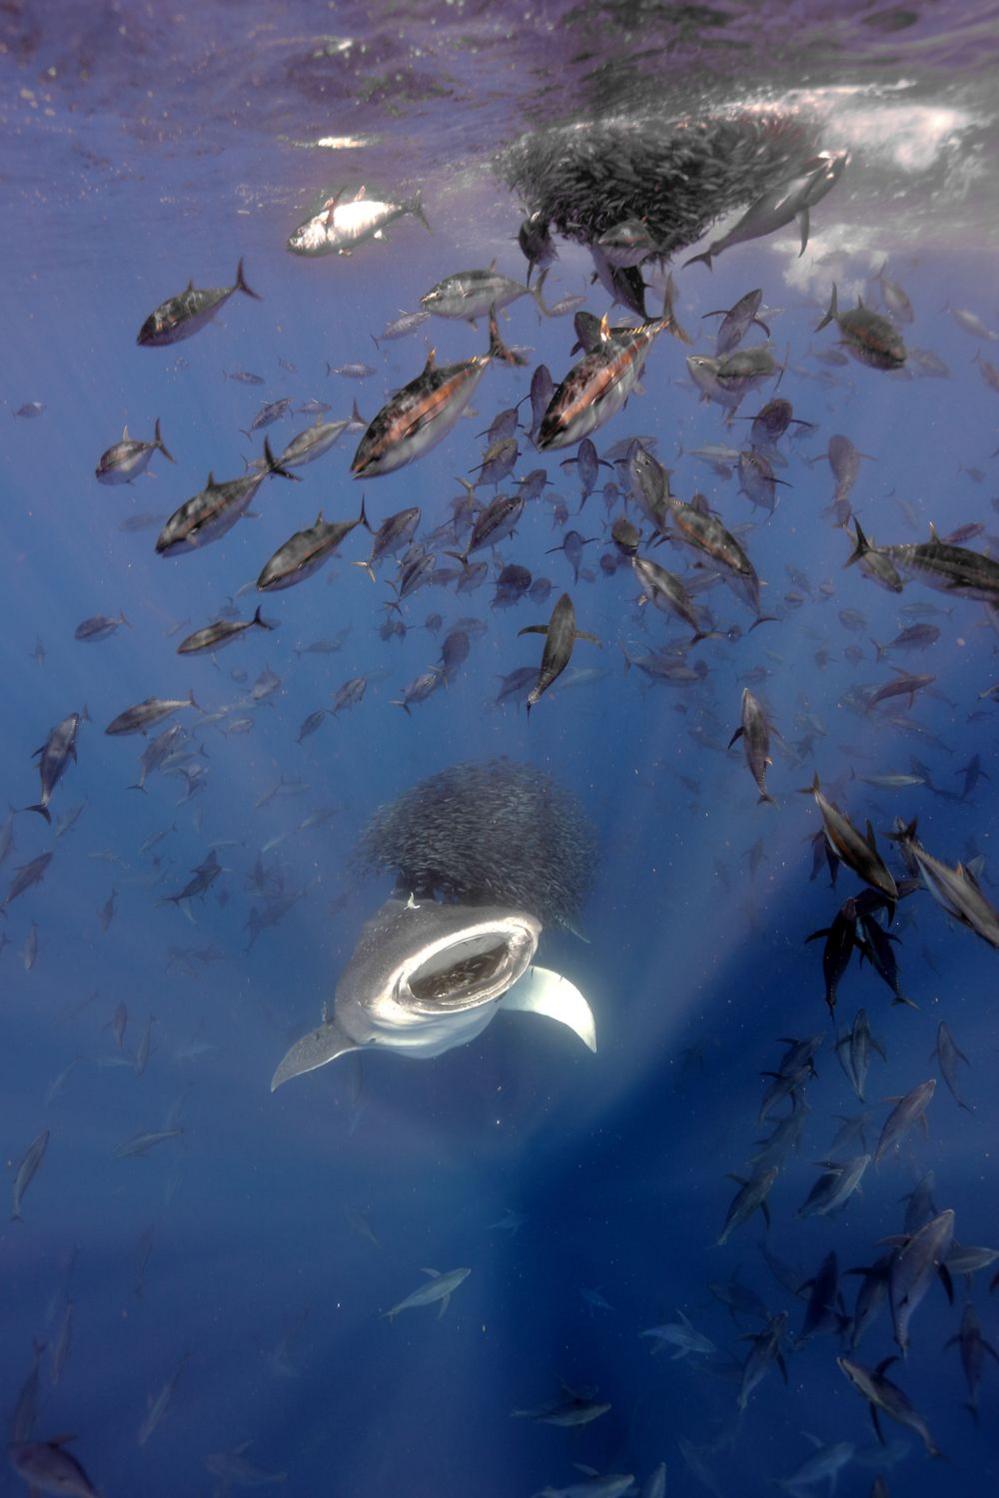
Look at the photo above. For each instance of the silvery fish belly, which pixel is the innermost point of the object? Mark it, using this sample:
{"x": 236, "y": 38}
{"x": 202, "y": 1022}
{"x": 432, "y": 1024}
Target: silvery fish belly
{"x": 427, "y": 977}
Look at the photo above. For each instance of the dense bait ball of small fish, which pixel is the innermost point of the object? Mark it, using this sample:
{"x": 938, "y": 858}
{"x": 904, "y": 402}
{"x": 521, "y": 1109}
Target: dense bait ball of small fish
{"x": 674, "y": 175}
{"x": 497, "y": 831}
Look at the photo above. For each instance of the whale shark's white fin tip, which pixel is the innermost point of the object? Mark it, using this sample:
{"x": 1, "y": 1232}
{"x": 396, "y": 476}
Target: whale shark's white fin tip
{"x": 540, "y": 991}
{"x": 313, "y": 1050}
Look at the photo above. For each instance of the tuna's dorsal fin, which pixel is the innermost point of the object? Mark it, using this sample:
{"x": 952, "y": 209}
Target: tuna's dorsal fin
{"x": 190, "y": 284}
{"x": 362, "y": 192}
{"x": 319, "y": 520}
{"x": 933, "y": 532}
{"x": 604, "y": 328}
{"x": 124, "y": 433}
{"x": 313, "y": 1050}
{"x": 211, "y": 479}
{"x": 541, "y": 991}
{"x": 434, "y": 1274}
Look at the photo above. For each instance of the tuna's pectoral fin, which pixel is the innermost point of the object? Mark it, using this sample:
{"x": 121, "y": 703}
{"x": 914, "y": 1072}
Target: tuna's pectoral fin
{"x": 541, "y": 991}
{"x": 803, "y": 225}
{"x": 313, "y": 1050}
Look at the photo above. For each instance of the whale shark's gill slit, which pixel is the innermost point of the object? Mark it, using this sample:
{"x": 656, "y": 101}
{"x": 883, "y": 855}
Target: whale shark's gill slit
{"x": 451, "y": 975}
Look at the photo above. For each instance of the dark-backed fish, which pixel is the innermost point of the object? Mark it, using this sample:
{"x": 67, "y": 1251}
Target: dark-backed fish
{"x": 561, "y": 635}
{"x": 306, "y": 551}
{"x": 869, "y": 337}
{"x": 53, "y": 757}
{"x": 222, "y": 632}
{"x": 145, "y": 714}
{"x": 598, "y": 386}
{"x": 781, "y": 205}
{"x": 419, "y": 415}
{"x": 189, "y": 312}
{"x": 858, "y": 853}
{"x": 210, "y": 514}
{"x": 754, "y": 730}
{"x": 469, "y": 294}
{"x": 128, "y": 458}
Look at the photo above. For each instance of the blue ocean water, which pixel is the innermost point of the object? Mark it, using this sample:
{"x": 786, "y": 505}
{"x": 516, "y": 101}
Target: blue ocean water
{"x": 240, "y": 1270}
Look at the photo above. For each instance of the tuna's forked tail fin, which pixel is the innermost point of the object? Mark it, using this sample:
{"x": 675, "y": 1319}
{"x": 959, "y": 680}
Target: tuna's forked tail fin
{"x": 705, "y": 258}
{"x": 669, "y": 312}
{"x": 159, "y": 443}
{"x": 497, "y": 348}
{"x": 275, "y": 466}
{"x": 862, "y": 545}
{"x": 832, "y": 312}
{"x": 241, "y": 283}
{"x": 415, "y": 206}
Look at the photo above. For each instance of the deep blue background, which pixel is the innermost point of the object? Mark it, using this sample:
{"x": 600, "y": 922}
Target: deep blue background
{"x": 617, "y": 1161}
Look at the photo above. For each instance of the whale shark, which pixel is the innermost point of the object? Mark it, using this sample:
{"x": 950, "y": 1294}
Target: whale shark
{"x": 426, "y": 977}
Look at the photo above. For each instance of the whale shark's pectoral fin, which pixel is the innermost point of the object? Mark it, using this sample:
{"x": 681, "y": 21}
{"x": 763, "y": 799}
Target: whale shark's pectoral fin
{"x": 540, "y": 991}
{"x": 313, "y": 1050}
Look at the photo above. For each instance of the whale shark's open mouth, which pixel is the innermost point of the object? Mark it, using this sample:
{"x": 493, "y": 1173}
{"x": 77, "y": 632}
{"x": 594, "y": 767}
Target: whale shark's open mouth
{"x": 452, "y": 975}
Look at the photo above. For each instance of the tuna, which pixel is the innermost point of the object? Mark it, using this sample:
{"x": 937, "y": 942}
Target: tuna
{"x": 790, "y": 200}
{"x": 343, "y": 223}
{"x": 561, "y": 635}
{"x": 53, "y": 757}
{"x": 222, "y": 632}
{"x": 754, "y": 730}
{"x": 869, "y": 337}
{"x": 598, "y": 386}
{"x": 189, "y": 312}
{"x": 123, "y": 462}
{"x": 422, "y": 413}
{"x": 211, "y": 513}
{"x": 470, "y": 294}
{"x": 306, "y": 551}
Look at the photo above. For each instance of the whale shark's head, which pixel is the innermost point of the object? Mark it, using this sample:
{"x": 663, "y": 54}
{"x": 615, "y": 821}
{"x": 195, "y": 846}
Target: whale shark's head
{"x": 426, "y": 977}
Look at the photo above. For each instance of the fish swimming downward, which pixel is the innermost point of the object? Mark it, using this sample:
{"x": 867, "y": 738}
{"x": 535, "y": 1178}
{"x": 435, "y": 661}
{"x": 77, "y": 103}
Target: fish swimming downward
{"x": 426, "y": 977}
{"x": 598, "y": 386}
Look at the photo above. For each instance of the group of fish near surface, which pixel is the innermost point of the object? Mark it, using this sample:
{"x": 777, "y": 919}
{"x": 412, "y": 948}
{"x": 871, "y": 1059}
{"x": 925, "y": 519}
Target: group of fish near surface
{"x": 420, "y": 415}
